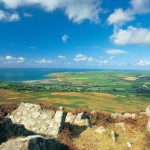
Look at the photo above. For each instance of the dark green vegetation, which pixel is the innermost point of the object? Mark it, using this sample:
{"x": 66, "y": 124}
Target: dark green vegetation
{"x": 52, "y": 86}
{"x": 105, "y": 90}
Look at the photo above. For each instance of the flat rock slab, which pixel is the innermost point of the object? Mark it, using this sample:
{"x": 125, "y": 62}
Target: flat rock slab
{"x": 33, "y": 143}
{"x": 41, "y": 121}
{"x": 78, "y": 119}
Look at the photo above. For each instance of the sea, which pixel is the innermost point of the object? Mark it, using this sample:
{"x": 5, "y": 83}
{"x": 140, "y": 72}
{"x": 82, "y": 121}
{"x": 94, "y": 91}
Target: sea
{"x": 33, "y": 74}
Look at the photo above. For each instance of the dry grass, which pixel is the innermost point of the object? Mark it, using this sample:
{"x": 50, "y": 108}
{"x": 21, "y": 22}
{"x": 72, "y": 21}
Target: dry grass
{"x": 48, "y": 106}
{"x": 86, "y": 100}
{"x": 135, "y": 133}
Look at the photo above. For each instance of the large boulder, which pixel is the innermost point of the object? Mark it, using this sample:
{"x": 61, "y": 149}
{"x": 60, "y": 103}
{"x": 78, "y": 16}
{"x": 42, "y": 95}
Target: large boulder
{"x": 116, "y": 115}
{"x": 148, "y": 111}
{"x": 41, "y": 121}
{"x": 123, "y": 115}
{"x": 80, "y": 119}
{"x": 70, "y": 118}
{"x": 100, "y": 129}
{"x": 36, "y": 142}
{"x": 8, "y": 130}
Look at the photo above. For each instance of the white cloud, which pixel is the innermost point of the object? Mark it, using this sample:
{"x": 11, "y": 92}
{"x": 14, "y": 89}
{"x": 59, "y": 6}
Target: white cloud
{"x": 80, "y": 57}
{"x": 143, "y": 63}
{"x": 9, "y": 58}
{"x": 8, "y": 17}
{"x": 103, "y": 62}
{"x": 12, "y": 60}
{"x": 79, "y": 10}
{"x": 20, "y": 60}
{"x": 91, "y": 60}
{"x": 120, "y": 17}
{"x": 76, "y": 10}
{"x": 115, "y": 52}
{"x": 43, "y": 61}
{"x": 27, "y": 14}
{"x": 140, "y": 6}
{"x": 131, "y": 35}
{"x": 61, "y": 57}
{"x": 65, "y": 38}
{"x": 100, "y": 61}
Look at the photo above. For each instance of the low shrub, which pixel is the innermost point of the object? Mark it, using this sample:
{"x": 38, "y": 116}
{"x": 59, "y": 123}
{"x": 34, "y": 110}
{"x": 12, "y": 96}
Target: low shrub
{"x": 7, "y": 108}
{"x": 48, "y": 106}
{"x": 101, "y": 118}
{"x": 66, "y": 138}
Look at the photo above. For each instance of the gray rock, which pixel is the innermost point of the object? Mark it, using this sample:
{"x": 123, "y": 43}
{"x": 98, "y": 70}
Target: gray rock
{"x": 79, "y": 121}
{"x": 8, "y": 129}
{"x": 41, "y": 121}
{"x": 148, "y": 111}
{"x": 61, "y": 108}
{"x": 128, "y": 115}
{"x": 129, "y": 144}
{"x": 78, "y": 118}
{"x": 88, "y": 123}
{"x": 46, "y": 144}
{"x": 70, "y": 118}
{"x": 100, "y": 130}
{"x": 120, "y": 124}
{"x": 142, "y": 113}
{"x": 148, "y": 114}
{"x": 33, "y": 143}
{"x": 125, "y": 115}
{"x": 114, "y": 136}
{"x": 116, "y": 115}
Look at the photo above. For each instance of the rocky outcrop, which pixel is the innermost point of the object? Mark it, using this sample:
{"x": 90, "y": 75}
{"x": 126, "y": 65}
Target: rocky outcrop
{"x": 33, "y": 143}
{"x": 8, "y": 129}
{"x": 114, "y": 136}
{"x": 30, "y": 121}
{"x": 80, "y": 119}
{"x": 100, "y": 130}
{"x": 41, "y": 121}
{"x": 120, "y": 124}
{"x": 123, "y": 115}
{"x": 148, "y": 114}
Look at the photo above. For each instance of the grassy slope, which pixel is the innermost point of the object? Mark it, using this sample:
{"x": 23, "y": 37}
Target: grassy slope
{"x": 88, "y": 100}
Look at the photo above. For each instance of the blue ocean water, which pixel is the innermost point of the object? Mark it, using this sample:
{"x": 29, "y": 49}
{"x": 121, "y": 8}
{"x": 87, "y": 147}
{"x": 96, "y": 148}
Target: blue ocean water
{"x": 29, "y": 74}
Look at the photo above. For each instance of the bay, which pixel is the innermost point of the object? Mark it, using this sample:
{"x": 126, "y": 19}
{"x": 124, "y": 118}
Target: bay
{"x": 32, "y": 74}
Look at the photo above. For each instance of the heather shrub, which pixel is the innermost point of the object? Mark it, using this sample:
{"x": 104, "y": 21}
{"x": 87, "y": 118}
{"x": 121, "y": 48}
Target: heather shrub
{"x": 7, "y": 108}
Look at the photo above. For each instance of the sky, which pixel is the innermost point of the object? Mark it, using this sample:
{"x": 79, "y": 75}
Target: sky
{"x": 98, "y": 34}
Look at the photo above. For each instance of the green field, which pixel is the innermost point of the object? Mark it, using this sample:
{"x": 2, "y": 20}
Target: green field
{"x": 104, "y": 90}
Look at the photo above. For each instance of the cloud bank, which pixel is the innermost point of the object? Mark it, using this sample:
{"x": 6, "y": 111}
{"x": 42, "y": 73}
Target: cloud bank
{"x": 120, "y": 16}
{"x": 11, "y": 60}
{"x": 115, "y": 52}
{"x": 9, "y": 17}
{"x": 131, "y": 35}
{"x": 75, "y": 10}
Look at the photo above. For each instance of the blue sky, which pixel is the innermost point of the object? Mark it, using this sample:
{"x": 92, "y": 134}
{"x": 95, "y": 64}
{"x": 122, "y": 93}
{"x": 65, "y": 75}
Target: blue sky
{"x": 75, "y": 34}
